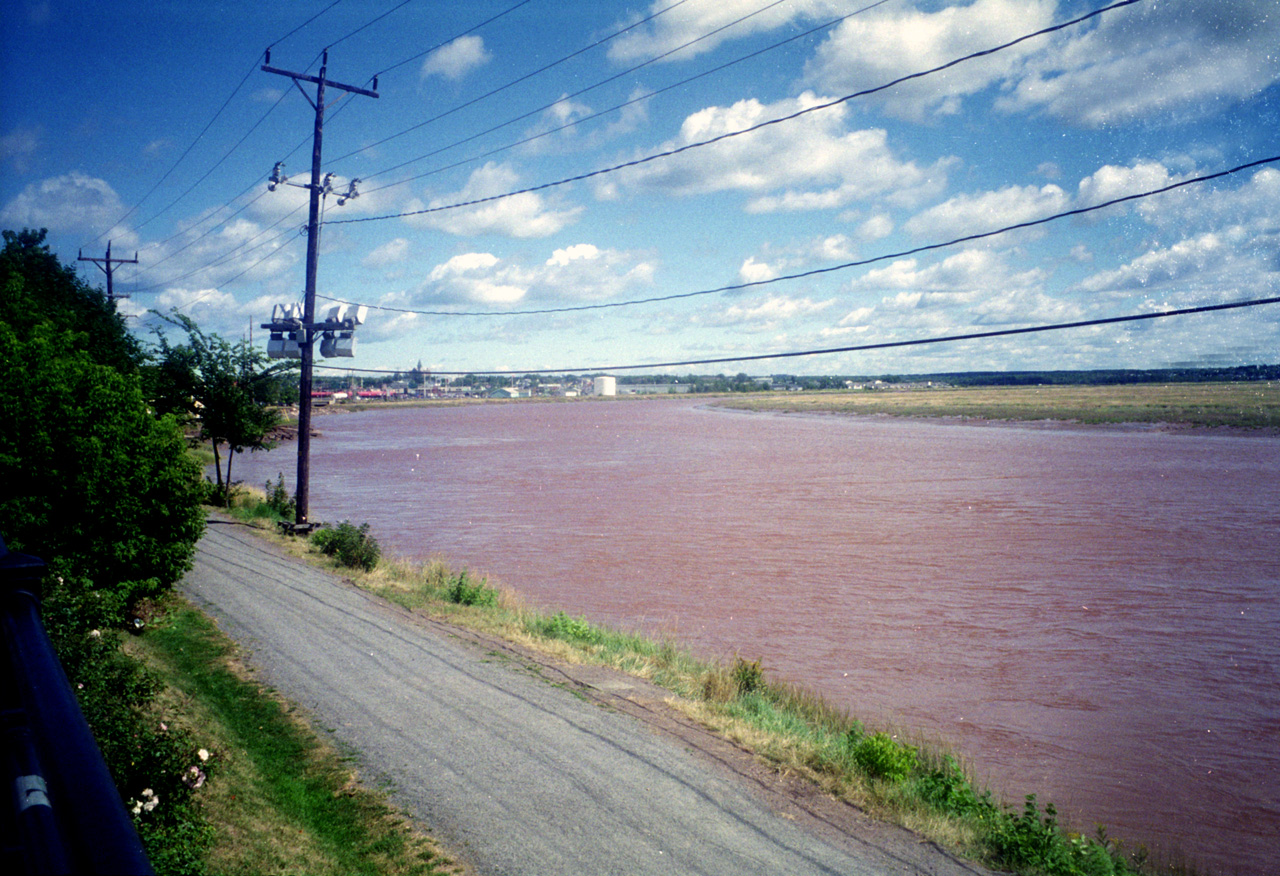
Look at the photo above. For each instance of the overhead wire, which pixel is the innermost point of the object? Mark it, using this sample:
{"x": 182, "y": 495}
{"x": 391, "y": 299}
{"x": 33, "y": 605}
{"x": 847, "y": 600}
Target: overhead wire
{"x": 501, "y": 88}
{"x": 929, "y": 247}
{"x": 856, "y": 348}
{"x": 252, "y": 69}
{"x": 615, "y": 108}
{"x": 553, "y": 103}
{"x": 637, "y": 162}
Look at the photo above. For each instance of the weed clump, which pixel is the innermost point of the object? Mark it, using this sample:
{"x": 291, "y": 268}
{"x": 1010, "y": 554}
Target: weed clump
{"x": 350, "y": 545}
{"x": 569, "y": 629}
{"x": 462, "y": 590}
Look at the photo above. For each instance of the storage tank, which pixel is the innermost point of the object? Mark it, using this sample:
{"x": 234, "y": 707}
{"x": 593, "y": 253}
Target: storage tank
{"x": 606, "y": 386}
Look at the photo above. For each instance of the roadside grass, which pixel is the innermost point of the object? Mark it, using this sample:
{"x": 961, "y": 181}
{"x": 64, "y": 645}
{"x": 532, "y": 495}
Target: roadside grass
{"x": 280, "y": 799}
{"x": 885, "y": 772}
{"x": 1249, "y": 405}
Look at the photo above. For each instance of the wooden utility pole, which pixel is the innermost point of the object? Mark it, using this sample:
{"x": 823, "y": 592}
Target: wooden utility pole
{"x": 108, "y": 266}
{"x": 318, "y": 190}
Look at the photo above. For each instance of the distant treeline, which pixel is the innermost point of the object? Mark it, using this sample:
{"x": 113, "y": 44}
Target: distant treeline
{"x": 1098, "y": 377}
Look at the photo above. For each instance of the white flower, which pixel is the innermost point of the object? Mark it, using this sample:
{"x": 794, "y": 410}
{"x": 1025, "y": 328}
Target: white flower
{"x": 203, "y": 754}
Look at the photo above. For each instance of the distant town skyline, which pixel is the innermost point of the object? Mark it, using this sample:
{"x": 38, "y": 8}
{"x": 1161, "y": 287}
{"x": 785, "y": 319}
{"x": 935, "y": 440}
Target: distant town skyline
{"x": 152, "y": 126}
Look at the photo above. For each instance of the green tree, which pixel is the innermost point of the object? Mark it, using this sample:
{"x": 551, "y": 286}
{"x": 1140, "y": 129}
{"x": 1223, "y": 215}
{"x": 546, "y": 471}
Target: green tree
{"x": 92, "y": 481}
{"x": 228, "y": 391}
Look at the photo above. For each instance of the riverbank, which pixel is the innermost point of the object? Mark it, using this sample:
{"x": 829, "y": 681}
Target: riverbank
{"x": 885, "y": 772}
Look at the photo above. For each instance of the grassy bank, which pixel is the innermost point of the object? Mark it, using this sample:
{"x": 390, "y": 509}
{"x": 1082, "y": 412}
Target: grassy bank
{"x": 1238, "y": 405}
{"x": 279, "y": 799}
{"x": 920, "y": 786}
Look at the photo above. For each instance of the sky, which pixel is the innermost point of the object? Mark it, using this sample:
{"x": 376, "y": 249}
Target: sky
{"x": 151, "y": 125}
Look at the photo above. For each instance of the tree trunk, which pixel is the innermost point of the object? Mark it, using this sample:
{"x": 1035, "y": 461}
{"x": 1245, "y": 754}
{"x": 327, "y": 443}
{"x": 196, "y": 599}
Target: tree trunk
{"x": 217, "y": 469}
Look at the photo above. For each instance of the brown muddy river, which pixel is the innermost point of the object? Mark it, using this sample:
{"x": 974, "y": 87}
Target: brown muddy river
{"x": 1090, "y": 615}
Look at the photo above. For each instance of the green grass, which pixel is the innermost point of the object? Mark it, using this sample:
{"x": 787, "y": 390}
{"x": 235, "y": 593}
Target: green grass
{"x": 281, "y": 800}
{"x": 910, "y": 782}
{"x": 1247, "y": 405}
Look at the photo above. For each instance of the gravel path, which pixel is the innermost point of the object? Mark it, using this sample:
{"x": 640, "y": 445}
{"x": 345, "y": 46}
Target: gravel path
{"x": 518, "y": 764}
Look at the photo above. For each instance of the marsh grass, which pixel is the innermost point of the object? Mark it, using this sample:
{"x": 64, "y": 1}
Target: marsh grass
{"x": 1248, "y": 405}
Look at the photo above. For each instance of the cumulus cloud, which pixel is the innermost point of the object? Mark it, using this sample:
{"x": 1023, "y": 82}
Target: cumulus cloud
{"x": 1210, "y": 262}
{"x": 1179, "y": 55}
{"x": 391, "y": 252}
{"x": 969, "y": 214}
{"x": 889, "y": 43}
{"x": 690, "y": 29}
{"x": 522, "y": 216}
{"x": 580, "y": 272}
{"x": 72, "y": 203}
{"x": 456, "y": 59}
{"x": 767, "y": 314}
{"x": 811, "y": 162}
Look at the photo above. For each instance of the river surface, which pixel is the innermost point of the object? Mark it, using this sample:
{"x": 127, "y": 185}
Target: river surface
{"x": 1091, "y": 615}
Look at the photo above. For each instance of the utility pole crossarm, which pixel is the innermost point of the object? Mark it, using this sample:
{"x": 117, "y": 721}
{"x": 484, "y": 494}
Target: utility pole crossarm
{"x": 107, "y": 264}
{"x": 328, "y": 83}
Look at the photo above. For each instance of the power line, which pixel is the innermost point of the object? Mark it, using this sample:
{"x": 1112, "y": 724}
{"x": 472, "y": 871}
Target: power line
{"x": 587, "y": 118}
{"x": 858, "y": 348}
{"x": 439, "y": 45}
{"x": 500, "y": 88}
{"x": 1079, "y": 211}
{"x": 689, "y": 146}
{"x": 548, "y": 106}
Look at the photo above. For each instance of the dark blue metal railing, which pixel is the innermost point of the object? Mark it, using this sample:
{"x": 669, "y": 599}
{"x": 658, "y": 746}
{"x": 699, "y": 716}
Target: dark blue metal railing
{"x": 64, "y": 814}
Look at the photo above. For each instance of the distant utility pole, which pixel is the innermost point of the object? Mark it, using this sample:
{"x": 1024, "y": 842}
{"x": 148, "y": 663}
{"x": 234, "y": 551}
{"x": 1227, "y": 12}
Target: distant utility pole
{"x": 318, "y": 190}
{"x": 108, "y": 265}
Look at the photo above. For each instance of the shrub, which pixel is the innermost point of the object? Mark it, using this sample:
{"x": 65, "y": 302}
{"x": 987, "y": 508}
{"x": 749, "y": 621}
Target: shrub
{"x": 570, "y": 629}
{"x": 350, "y": 545}
{"x": 463, "y": 591}
{"x": 278, "y": 499}
{"x": 748, "y": 676}
{"x": 882, "y": 757}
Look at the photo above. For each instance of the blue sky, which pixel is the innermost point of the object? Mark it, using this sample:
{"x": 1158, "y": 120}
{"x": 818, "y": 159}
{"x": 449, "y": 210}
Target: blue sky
{"x": 150, "y": 124}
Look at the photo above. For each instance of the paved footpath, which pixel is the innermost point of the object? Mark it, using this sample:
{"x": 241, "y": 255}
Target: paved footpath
{"x": 518, "y": 764}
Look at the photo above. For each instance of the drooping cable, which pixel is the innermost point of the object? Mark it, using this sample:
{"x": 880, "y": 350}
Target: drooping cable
{"x": 751, "y": 129}
{"x": 858, "y": 348}
{"x": 501, "y": 88}
{"x": 929, "y": 247}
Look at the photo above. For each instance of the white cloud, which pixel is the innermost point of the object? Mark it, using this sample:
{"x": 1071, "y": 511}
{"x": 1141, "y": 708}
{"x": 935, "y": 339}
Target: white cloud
{"x": 73, "y": 203}
{"x": 881, "y": 46}
{"x": 19, "y": 146}
{"x": 457, "y": 59}
{"x": 767, "y": 314}
{"x": 970, "y": 214}
{"x": 808, "y": 163}
{"x": 522, "y": 216}
{"x": 1153, "y": 58}
{"x": 580, "y": 272}
{"x": 753, "y": 271}
{"x": 708, "y": 25}
{"x": 391, "y": 252}
{"x": 562, "y": 257}
{"x": 1195, "y": 262}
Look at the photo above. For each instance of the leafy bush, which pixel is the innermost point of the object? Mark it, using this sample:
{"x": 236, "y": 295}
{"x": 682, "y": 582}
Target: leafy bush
{"x": 882, "y": 757}
{"x": 350, "y": 545}
{"x": 463, "y": 591}
{"x": 570, "y": 629}
{"x": 278, "y": 499}
{"x": 946, "y": 789}
{"x": 1029, "y": 842}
